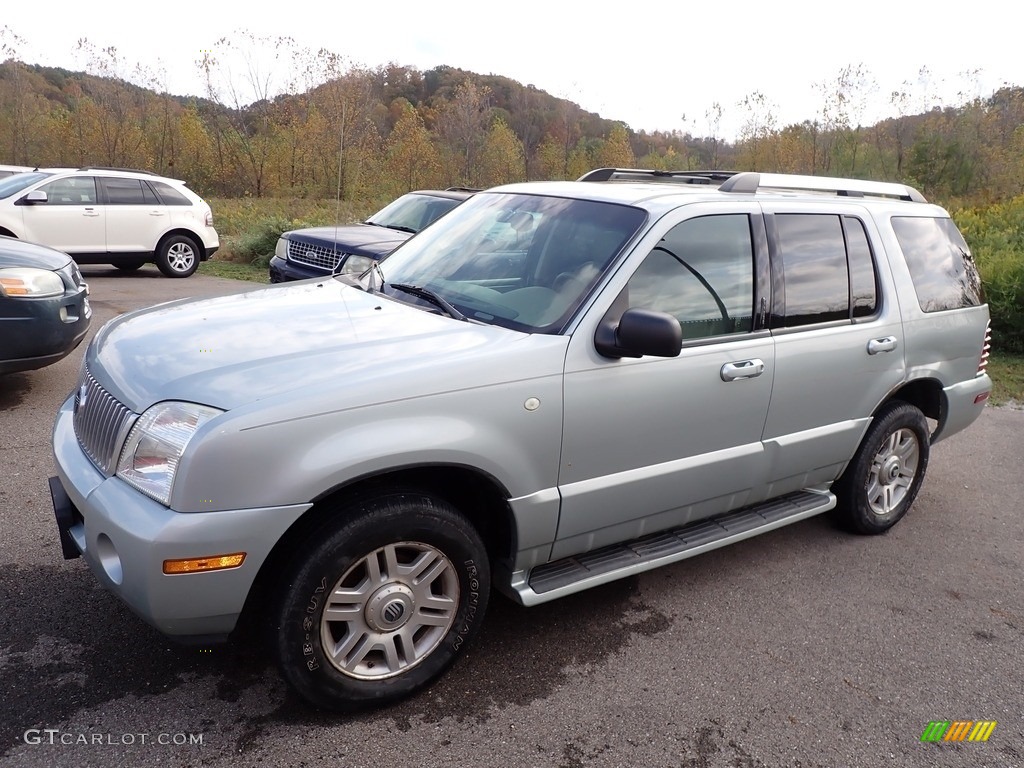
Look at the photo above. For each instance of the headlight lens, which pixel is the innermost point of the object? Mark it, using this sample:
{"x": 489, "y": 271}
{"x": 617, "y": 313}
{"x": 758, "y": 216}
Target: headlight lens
{"x": 29, "y": 281}
{"x": 281, "y": 249}
{"x": 356, "y": 265}
{"x": 149, "y": 459}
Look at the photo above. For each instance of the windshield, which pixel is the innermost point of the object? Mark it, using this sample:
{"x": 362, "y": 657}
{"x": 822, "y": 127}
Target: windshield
{"x": 12, "y": 185}
{"x": 412, "y": 212}
{"x": 521, "y": 261}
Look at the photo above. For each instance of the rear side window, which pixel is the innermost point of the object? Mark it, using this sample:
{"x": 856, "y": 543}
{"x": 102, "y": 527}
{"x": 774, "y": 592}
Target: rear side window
{"x": 944, "y": 274}
{"x": 828, "y": 271}
{"x": 128, "y": 192}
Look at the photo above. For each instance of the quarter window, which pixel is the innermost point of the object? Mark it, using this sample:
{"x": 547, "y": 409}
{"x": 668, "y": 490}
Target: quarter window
{"x": 702, "y": 274}
{"x": 944, "y": 274}
{"x": 169, "y": 195}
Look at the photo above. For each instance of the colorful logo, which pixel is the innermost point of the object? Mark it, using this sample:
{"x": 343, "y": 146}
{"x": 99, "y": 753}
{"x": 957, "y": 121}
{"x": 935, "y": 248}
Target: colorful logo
{"x": 958, "y": 730}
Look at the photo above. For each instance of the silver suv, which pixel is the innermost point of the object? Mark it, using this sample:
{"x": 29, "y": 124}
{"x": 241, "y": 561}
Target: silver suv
{"x": 110, "y": 216}
{"x": 556, "y": 385}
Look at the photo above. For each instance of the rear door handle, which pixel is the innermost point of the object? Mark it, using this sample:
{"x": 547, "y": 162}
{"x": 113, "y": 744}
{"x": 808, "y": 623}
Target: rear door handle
{"x": 90, "y": 212}
{"x": 885, "y": 344}
{"x": 743, "y": 369}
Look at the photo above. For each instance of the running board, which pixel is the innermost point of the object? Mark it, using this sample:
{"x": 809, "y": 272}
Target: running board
{"x": 574, "y": 574}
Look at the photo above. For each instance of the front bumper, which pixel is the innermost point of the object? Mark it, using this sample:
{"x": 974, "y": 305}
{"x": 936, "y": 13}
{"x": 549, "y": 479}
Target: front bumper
{"x": 125, "y": 537}
{"x": 38, "y": 332}
{"x": 284, "y": 271}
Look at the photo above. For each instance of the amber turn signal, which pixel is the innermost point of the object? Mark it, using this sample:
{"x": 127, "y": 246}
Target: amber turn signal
{"x": 199, "y": 564}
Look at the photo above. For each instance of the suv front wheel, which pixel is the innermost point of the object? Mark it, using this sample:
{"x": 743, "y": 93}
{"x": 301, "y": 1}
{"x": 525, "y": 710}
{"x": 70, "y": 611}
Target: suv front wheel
{"x": 377, "y": 607}
{"x": 882, "y": 480}
{"x": 178, "y": 256}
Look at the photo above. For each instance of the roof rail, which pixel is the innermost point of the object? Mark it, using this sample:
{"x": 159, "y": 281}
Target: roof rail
{"x": 640, "y": 174}
{"x": 462, "y": 189}
{"x": 123, "y": 170}
{"x": 750, "y": 182}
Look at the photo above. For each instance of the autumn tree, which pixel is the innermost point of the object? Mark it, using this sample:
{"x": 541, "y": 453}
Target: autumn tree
{"x": 462, "y": 126}
{"x": 616, "y": 151}
{"x": 411, "y": 160}
{"x": 501, "y": 160}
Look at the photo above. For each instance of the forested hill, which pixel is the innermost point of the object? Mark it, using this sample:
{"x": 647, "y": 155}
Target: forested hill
{"x": 376, "y": 132}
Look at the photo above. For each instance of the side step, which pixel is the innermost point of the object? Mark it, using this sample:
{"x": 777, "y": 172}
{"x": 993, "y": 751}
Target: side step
{"x": 574, "y": 574}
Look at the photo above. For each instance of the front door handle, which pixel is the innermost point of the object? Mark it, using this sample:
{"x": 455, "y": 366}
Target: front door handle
{"x": 885, "y": 344}
{"x": 743, "y": 369}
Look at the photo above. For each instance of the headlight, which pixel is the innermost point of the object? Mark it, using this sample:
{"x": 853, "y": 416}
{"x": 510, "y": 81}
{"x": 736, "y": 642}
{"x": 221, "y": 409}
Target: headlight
{"x": 151, "y": 453}
{"x": 281, "y": 249}
{"x": 356, "y": 265}
{"x": 29, "y": 281}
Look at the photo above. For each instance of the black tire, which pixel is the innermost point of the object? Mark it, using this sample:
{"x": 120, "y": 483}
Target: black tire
{"x": 178, "y": 256}
{"x": 129, "y": 266}
{"x": 882, "y": 480}
{"x": 396, "y": 632}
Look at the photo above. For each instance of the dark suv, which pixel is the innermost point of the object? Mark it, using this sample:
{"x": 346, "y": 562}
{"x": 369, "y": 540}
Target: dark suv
{"x": 352, "y": 248}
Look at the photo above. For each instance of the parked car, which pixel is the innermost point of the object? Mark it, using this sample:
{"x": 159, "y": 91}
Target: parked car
{"x": 556, "y": 385}
{"x": 10, "y": 170}
{"x": 44, "y": 306}
{"x": 110, "y": 216}
{"x": 352, "y": 248}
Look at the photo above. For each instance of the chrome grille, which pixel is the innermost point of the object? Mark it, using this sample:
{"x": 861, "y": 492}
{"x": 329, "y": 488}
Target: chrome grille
{"x": 314, "y": 255}
{"x": 101, "y": 423}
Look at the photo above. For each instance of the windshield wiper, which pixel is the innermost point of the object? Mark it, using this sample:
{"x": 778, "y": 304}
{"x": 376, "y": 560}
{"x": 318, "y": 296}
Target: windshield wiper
{"x": 432, "y": 297}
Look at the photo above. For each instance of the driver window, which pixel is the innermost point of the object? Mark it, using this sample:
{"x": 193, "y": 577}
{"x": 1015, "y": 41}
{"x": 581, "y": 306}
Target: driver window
{"x": 75, "y": 190}
{"x": 702, "y": 273}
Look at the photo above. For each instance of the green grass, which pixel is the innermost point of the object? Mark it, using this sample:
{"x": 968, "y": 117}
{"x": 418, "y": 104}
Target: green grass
{"x": 1007, "y": 372}
{"x": 216, "y": 268}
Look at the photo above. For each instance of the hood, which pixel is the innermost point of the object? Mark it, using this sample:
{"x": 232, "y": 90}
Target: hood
{"x": 300, "y": 341}
{"x": 18, "y": 253}
{"x": 363, "y": 239}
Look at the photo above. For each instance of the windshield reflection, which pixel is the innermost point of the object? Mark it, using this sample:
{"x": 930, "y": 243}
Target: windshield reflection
{"x": 521, "y": 261}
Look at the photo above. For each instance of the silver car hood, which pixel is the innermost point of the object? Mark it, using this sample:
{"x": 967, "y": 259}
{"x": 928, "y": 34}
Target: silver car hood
{"x": 297, "y": 341}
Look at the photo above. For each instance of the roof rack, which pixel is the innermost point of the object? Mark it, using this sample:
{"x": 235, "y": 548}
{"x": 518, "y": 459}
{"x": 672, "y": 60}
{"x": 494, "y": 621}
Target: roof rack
{"x": 109, "y": 168}
{"x": 750, "y": 182}
{"x": 462, "y": 189}
{"x": 640, "y": 174}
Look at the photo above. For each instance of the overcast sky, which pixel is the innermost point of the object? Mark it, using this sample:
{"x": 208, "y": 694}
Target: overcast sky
{"x": 655, "y": 65}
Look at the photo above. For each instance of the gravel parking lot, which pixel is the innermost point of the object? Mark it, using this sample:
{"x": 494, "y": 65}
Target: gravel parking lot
{"x": 802, "y": 648}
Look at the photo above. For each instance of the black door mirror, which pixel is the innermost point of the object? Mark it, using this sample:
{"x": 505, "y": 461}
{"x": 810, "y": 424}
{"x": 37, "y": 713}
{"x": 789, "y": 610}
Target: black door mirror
{"x": 639, "y": 332}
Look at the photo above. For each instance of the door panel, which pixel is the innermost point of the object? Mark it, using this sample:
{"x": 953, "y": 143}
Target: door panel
{"x": 833, "y": 364}
{"x": 651, "y": 443}
{"x": 70, "y": 220}
{"x": 135, "y": 218}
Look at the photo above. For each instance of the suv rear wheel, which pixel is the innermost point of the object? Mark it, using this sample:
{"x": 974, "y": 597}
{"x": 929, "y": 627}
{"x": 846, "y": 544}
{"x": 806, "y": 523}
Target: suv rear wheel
{"x": 178, "y": 256}
{"x": 377, "y": 607}
{"x": 882, "y": 480}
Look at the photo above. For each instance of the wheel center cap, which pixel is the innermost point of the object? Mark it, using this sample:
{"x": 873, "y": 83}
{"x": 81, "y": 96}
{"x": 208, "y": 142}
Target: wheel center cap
{"x": 390, "y": 608}
{"x": 891, "y": 470}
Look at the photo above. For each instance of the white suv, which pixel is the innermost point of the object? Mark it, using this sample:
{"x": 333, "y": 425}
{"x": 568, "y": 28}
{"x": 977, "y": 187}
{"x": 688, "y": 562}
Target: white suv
{"x": 110, "y": 216}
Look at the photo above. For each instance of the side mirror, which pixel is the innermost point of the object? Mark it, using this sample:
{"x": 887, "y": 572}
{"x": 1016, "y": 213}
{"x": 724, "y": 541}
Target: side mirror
{"x": 639, "y": 332}
{"x": 35, "y": 197}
